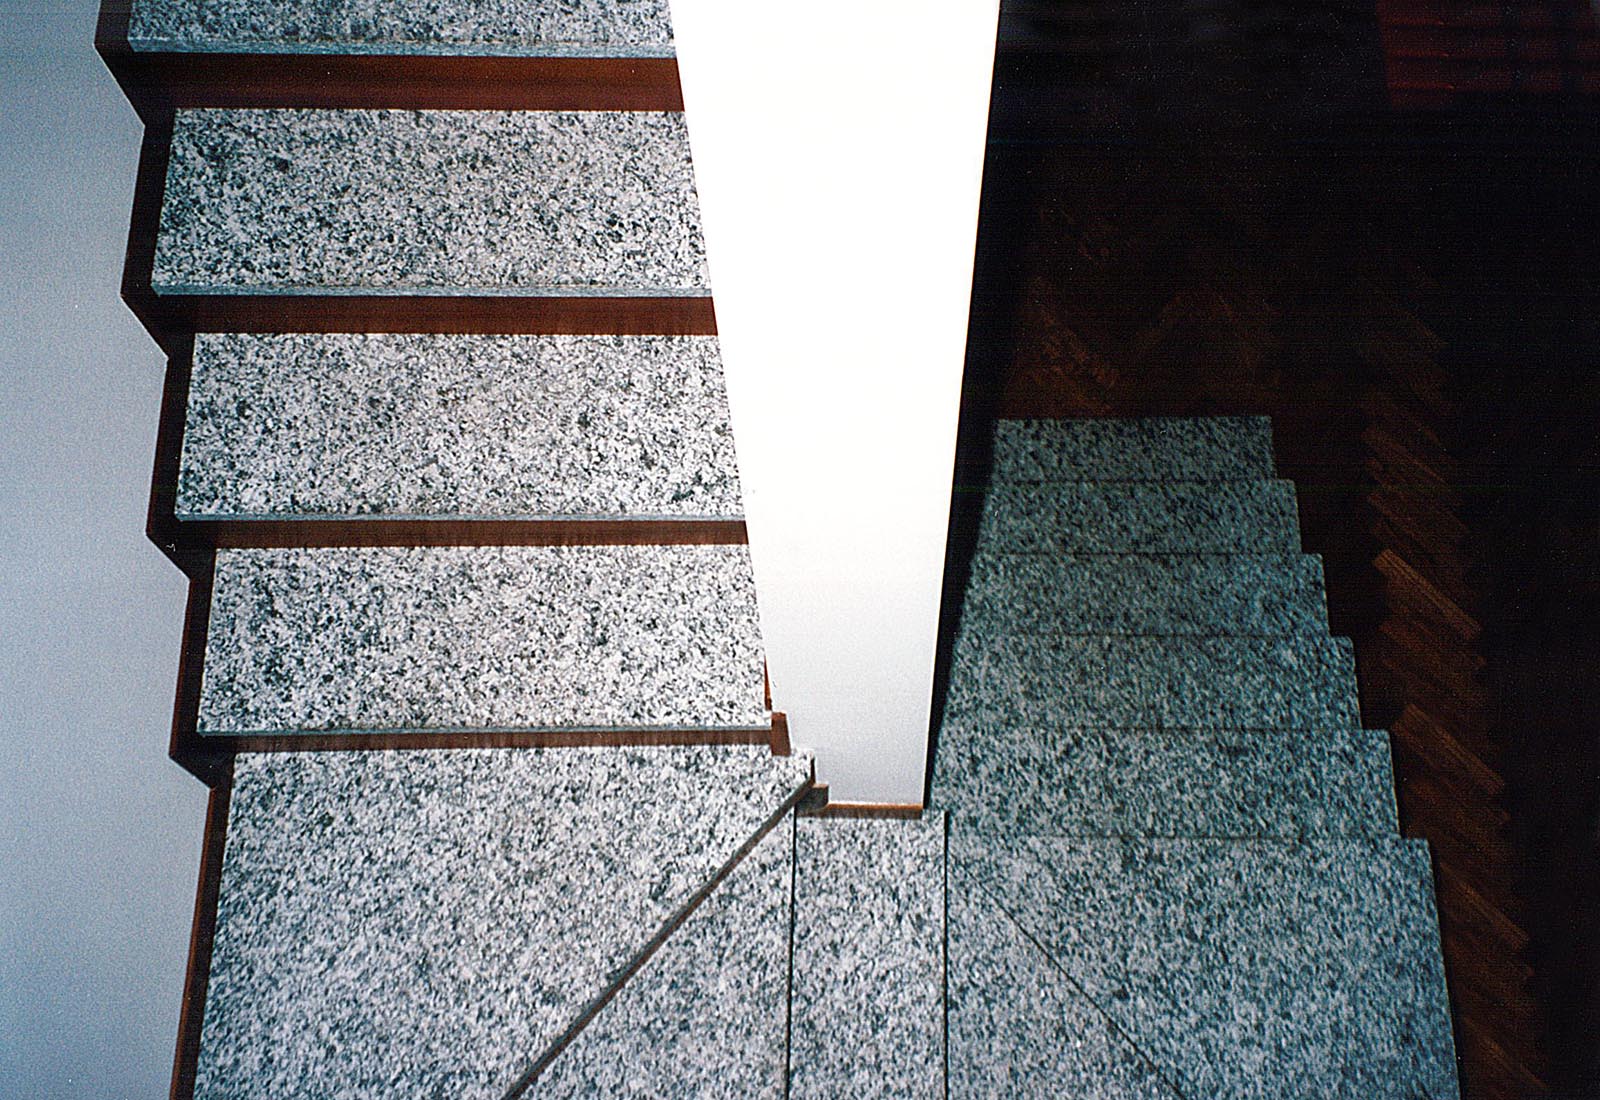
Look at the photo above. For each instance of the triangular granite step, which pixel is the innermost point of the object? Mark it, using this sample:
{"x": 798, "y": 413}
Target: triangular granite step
{"x": 868, "y": 1007}
{"x": 1146, "y": 594}
{"x": 358, "y": 425}
{"x": 1019, "y": 1026}
{"x": 1091, "y": 682}
{"x": 484, "y": 639}
{"x": 1156, "y": 449}
{"x": 1047, "y": 779}
{"x": 1250, "y": 971}
{"x": 495, "y": 203}
{"x": 705, "y": 1016}
{"x": 429, "y": 922}
{"x": 1176, "y": 517}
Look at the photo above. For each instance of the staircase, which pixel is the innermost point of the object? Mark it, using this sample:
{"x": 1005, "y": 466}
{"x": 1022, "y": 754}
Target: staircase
{"x": 473, "y": 662}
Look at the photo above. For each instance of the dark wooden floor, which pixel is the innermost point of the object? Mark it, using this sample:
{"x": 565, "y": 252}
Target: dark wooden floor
{"x": 1414, "y": 299}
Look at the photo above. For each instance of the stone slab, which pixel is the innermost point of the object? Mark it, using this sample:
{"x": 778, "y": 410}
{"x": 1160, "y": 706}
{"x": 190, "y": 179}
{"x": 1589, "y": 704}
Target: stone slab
{"x": 1219, "y": 448}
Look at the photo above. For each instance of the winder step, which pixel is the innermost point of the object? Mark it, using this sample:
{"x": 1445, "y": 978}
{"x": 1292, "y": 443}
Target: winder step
{"x": 1239, "y": 594}
{"x": 1049, "y": 779}
{"x": 1093, "y": 682}
{"x": 705, "y": 1016}
{"x": 435, "y": 921}
{"x": 346, "y": 425}
{"x": 1186, "y": 968}
{"x": 482, "y": 639}
{"x": 868, "y": 1007}
{"x": 581, "y": 28}
{"x": 1156, "y": 449}
{"x": 1133, "y": 517}
{"x": 520, "y": 204}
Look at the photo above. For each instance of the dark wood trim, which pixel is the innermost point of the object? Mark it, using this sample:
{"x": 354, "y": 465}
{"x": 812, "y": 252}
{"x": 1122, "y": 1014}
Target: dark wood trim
{"x": 197, "y": 977}
{"x": 780, "y": 732}
{"x": 156, "y": 82}
{"x": 160, "y": 526}
{"x": 897, "y": 811}
{"x": 144, "y": 226}
{"x": 208, "y": 763}
{"x": 356, "y": 531}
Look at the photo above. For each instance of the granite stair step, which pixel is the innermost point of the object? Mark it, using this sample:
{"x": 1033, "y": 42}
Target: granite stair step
{"x": 1238, "y": 594}
{"x": 1047, "y": 779}
{"x": 484, "y": 640}
{"x": 437, "y": 220}
{"x": 1174, "y": 517}
{"x": 1154, "y": 449}
{"x": 867, "y": 1015}
{"x": 706, "y": 1014}
{"x": 426, "y": 427}
{"x": 1183, "y": 968}
{"x": 1096, "y": 682}
{"x": 437, "y": 920}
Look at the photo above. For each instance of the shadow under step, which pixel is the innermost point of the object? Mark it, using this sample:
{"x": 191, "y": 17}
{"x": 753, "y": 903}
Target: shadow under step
{"x": 1234, "y": 594}
{"x": 868, "y": 1002}
{"x": 1184, "y": 968}
{"x": 1097, "y": 682}
{"x": 442, "y": 918}
{"x": 1049, "y": 780}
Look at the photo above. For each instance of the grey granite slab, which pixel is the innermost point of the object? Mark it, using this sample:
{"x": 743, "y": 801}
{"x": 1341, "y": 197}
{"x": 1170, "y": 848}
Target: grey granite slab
{"x": 1239, "y": 594}
{"x": 482, "y": 638}
{"x": 1044, "y": 779}
{"x": 426, "y": 923}
{"x": 430, "y": 202}
{"x": 1093, "y": 682}
{"x": 583, "y": 28}
{"x": 1020, "y": 1027}
{"x": 354, "y": 424}
{"x": 1177, "y": 517}
{"x": 868, "y": 1003}
{"x": 706, "y": 1015}
{"x": 1221, "y": 448}
{"x": 1243, "y": 970}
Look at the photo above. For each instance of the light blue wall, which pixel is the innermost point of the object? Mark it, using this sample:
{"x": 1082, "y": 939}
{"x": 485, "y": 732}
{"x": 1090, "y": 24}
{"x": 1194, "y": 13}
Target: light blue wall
{"x": 99, "y": 833}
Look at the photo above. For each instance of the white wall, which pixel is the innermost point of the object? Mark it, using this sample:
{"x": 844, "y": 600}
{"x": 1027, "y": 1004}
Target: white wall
{"x": 838, "y": 151}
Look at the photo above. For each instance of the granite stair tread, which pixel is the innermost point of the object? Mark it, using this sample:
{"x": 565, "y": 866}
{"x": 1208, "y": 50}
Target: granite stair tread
{"x": 1251, "y": 970}
{"x": 437, "y": 919}
{"x": 582, "y": 28}
{"x": 436, "y": 202}
{"x": 1045, "y": 779}
{"x": 1094, "y": 682}
{"x": 486, "y": 639}
{"x": 868, "y": 980}
{"x": 1174, "y": 517}
{"x": 1237, "y": 594}
{"x": 705, "y": 1015}
{"x": 1154, "y": 449}
{"x": 1020, "y": 1027}
{"x": 355, "y": 425}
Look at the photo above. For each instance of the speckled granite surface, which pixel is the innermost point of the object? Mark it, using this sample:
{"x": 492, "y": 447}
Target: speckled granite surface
{"x": 430, "y": 921}
{"x": 1146, "y": 594}
{"x": 1297, "y": 682}
{"x": 868, "y": 1004}
{"x": 706, "y": 1016}
{"x": 345, "y": 424}
{"x": 1157, "y": 449}
{"x": 1019, "y": 1026}
{"x": 1049, "y": 780}
{"x": 482, "y": 638}
{"x": 419, "y": 202}
{"x": 585, "y": 28}
{"x": 1220, "y": 517}
{"x": 1246, "y": 970}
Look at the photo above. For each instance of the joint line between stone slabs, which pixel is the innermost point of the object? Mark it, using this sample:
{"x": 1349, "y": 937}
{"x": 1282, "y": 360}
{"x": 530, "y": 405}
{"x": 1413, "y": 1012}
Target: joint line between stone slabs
{"x": 1050, "y": 958}
{"x": 544, "y": 1061}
